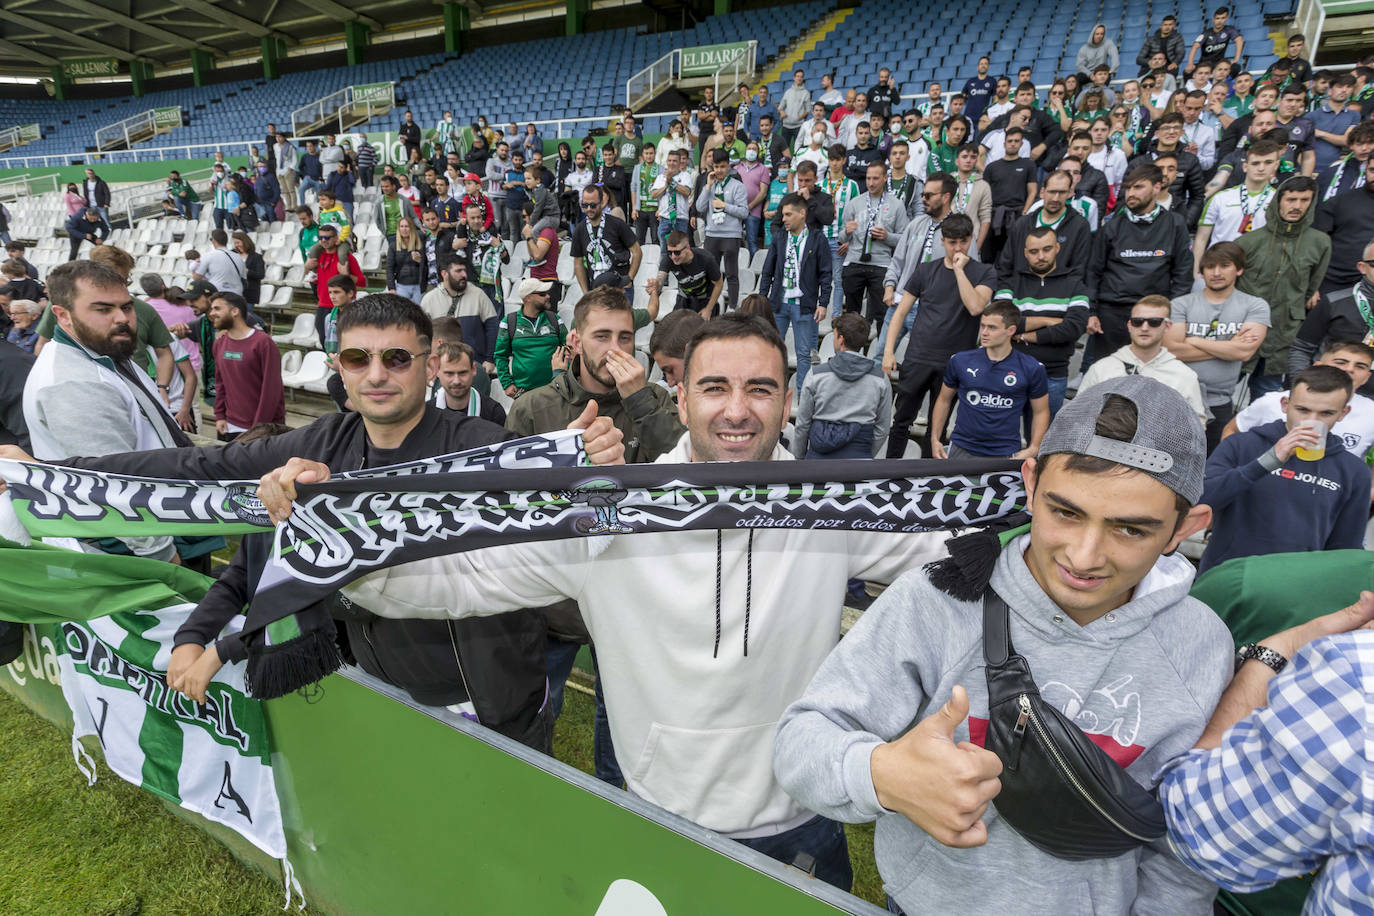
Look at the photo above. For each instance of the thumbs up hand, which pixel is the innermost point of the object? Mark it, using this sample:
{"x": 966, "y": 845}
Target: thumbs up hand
{"x": 603, "y": 442}
{"x": 942, "y": 787}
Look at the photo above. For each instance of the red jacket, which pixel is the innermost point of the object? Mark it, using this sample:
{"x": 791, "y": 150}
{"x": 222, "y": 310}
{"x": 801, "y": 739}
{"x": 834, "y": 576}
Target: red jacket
{"x": 327, "y": 268}
{"x": 482, "y": 199}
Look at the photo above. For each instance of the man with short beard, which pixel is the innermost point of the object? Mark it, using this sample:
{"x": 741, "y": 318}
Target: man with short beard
{"x": 692, "y": 707}
{"x": 248, "y": 388}
{"x": 84, "y": 393}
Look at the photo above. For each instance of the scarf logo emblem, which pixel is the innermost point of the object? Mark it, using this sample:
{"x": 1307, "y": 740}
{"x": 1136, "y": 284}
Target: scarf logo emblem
{"x": 242, "y": 500}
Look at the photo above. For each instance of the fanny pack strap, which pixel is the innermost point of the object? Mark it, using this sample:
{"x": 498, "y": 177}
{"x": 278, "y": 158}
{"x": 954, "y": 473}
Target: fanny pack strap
{"x": 996, "y": 630}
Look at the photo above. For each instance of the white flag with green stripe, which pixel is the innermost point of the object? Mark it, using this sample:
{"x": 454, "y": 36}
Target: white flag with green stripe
{"x": 211, "y": 758}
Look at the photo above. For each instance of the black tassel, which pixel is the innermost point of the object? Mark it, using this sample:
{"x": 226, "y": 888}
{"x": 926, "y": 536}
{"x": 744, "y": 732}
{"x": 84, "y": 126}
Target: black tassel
{"x": 275, "y": 671}
{"x": 965, "y": 573}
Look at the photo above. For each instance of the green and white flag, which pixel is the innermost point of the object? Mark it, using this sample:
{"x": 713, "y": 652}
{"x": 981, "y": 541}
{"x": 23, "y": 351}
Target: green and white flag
{"x": 117, "y": 617}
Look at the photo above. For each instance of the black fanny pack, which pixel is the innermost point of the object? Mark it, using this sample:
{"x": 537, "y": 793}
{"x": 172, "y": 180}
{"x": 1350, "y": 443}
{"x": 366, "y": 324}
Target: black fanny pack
{"x": 1059, "y": 789}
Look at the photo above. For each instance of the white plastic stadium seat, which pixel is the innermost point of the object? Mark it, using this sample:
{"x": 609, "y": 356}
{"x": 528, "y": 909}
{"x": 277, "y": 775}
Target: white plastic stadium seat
{"x": 290, "y": 364}
{"x": 283, "y": 297}
{"x": 314, "y": 370}
{"x": 303, "y": 325}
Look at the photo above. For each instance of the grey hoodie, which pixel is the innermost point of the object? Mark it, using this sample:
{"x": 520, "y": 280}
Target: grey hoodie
{"x": 849, "y": 388}
{"x": 1143, "y": 680}
{"x": 727, "y": 223}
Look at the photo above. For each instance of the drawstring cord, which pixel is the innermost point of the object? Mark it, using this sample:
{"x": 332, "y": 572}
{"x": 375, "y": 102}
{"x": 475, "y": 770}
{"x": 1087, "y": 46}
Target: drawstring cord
{"x": 748, "y": 591}
{"x": 716, "y": 651}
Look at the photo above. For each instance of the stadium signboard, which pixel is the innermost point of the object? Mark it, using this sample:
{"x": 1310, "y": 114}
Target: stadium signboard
{"x": 29, "y": 133}
{"x": 372, "y": 92}
{"x": 704, "y": 60}
{"x": 90, "y": 66}
{"x": 167, "y": 117}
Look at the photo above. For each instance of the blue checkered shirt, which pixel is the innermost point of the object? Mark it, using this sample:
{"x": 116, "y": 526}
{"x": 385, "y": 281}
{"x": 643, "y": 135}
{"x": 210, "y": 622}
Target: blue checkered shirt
{"x": 1291, "y": 788}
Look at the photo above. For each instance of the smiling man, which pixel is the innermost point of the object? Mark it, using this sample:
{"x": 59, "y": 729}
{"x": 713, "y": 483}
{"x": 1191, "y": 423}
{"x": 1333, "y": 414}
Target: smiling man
{"x": 387, "y": 366}
{"x": 892, "y": 727}
{"x": 700, "y": 649}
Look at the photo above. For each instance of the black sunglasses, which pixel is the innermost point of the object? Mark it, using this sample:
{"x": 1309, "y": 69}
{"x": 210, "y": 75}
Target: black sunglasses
{"x": 394, "y": 359}
{"x": 1141, "y": 322}
{"x": 591, "y": 206}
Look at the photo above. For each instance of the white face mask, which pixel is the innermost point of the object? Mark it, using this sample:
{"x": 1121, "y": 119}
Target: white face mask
{"x": 448, "y": 118}
{"x": 751, "y": 154}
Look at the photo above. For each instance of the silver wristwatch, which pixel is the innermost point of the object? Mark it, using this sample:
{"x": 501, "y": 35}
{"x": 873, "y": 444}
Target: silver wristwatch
{"x": 1261, "y": 654}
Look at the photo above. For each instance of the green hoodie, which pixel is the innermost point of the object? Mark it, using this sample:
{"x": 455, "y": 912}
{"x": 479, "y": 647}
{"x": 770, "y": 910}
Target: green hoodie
{"x": 525, "y": 347}
{"x": 1285, "y": 263}
{"x": 648, "y": 418}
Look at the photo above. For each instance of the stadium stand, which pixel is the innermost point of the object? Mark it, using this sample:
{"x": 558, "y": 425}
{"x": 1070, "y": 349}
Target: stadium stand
{"x": 429, "y": 84}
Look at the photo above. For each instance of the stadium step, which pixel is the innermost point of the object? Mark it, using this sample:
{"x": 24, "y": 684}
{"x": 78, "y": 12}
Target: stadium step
{"x": 784, "y": 65}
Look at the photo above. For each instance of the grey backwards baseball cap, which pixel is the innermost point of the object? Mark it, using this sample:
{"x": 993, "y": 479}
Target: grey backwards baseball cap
{"x": 1169, "y": 442}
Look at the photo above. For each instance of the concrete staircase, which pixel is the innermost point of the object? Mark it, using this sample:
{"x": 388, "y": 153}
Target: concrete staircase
{"x": 782, "y": 67}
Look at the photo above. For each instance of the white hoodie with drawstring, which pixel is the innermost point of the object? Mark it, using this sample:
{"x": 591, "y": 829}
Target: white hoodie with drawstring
{"x": 702, "y": 638}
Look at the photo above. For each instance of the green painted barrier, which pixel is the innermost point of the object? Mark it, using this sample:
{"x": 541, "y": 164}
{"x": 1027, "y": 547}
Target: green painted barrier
{"x": 393, "y": 808}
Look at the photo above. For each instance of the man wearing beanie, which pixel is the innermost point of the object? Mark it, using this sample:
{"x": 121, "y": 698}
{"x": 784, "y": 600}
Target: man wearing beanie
{"x": 1098, "y": 608}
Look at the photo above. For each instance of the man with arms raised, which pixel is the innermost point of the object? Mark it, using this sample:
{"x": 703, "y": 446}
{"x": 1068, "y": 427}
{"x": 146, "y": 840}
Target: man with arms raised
{"x": 694, "y": 690}
{"x": 892, "y": 727}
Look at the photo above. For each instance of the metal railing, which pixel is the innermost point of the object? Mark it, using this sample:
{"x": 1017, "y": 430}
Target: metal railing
{"x": 1308, "y": 21}
{"x": 653, "y": 79}
{"x": 563, "y": 129}
{"x": 26, "y": 185}
{"x": 139, "y": 127}
{"x": 340, "y": 106}
{"x": 9, "y": 139}
{"x": 132, "y": 198}
{"x": 739, "y": 66}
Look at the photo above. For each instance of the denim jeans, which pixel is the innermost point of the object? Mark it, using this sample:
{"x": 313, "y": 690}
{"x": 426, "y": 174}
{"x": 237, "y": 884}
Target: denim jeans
{"x": 410, "y": 291}
{"x": 221, "y": 217}
{"x": 820, "y": 838}
{"x": 1261, "y": 383}
{"x": 836, "y": 269}
{"x": 559, "y": 657}
{"x": 753, "y": 225}
{"x": 804, "y": 334}
{"x": 904, "y": 330}
{"x": 1058, "y": 387}
{"x": 348, "y": 208}
{"x": 308, "y": 184}
{"x": 665, "y": 226}
{"x": 265, "y": 213}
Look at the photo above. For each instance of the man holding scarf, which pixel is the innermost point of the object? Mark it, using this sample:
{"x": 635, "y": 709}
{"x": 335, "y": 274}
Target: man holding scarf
{"x": 694, "y": 690}
{"x": 387, "y": 369}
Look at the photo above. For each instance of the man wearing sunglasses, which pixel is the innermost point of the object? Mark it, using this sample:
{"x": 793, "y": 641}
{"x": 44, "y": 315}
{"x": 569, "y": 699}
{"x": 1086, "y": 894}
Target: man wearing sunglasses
{"x": 328, "y": 263}
{"x": 1146, "y": 355}
{"x": 699, "y": 280}
{"x": 387, "y": 365}
{"x": 602, "y": 242}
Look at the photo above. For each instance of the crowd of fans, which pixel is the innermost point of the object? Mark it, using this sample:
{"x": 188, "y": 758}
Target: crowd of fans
{"x": 1169, "y": 273}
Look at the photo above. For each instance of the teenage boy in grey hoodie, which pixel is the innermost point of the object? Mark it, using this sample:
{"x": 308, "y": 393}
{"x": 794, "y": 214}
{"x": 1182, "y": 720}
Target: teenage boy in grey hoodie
{"x": 892, "y": 725}
{"x": 846, "y": 405}
{"x": 724, "y": 204}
